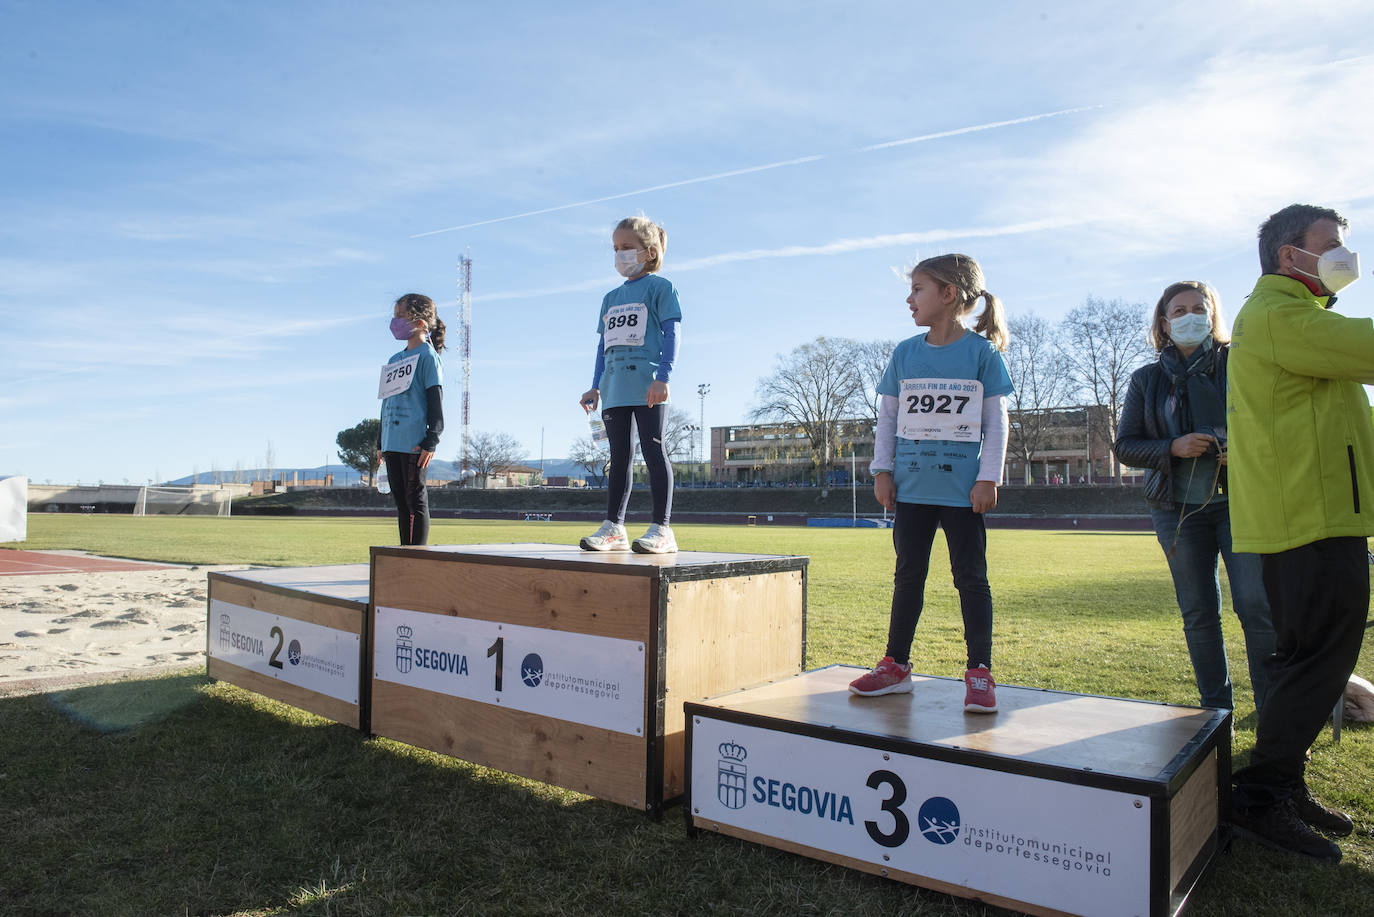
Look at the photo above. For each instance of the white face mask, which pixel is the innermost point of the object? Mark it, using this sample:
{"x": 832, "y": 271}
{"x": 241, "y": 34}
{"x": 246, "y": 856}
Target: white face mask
{"x": 1336, "y": 269}
{"x": 627, "y": 262}
{"x": 1190, "y": 329}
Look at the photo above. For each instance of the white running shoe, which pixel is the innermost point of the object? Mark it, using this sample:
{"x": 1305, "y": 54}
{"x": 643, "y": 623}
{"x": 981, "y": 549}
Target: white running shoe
{"x": 610, "y": 537}
{"x": 658, "y": 540}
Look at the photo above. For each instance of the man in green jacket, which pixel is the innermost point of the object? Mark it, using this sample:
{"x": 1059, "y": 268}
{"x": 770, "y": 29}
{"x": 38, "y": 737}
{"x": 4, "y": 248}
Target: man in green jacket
{"x": 1301, "y": 472}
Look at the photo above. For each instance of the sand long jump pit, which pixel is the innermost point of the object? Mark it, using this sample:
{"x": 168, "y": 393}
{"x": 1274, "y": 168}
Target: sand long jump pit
{"x": 68, "y": 618}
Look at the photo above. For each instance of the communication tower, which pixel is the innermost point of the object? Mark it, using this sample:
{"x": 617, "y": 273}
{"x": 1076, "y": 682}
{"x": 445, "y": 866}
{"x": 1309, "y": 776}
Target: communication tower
{"x": 465, "y": 319}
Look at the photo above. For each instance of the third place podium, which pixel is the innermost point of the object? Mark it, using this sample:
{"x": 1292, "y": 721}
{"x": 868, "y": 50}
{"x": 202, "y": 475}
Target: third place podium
{"x": 1058, "y": 804}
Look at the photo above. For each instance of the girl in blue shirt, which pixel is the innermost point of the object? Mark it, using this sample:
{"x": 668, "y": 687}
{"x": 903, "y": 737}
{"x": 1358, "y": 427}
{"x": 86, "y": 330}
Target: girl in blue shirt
{"x": 634, "y": 358}
{"x": 937, "y": 460}
{"x": 412, "y": 393}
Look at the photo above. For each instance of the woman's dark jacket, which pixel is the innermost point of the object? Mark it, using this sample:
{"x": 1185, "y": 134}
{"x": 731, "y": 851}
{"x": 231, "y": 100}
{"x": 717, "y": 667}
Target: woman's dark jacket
{"x": 1142, "y": 436}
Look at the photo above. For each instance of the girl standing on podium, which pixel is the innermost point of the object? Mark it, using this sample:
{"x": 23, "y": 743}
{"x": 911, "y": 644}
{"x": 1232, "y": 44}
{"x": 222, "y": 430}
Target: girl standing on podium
{"x": 412, "y": 393}
{"x": 937, "y": 460}
{"x": 634, "y": 358}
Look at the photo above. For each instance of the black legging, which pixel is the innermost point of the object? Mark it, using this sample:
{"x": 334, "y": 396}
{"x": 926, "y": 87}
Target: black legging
{"x": 649, "y": 422}
{"x": 411, "y": 496}
{"x": 913, "y": 534}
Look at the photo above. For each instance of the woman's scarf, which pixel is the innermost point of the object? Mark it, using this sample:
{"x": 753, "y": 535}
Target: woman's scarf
{"x": 1197, "y": 398}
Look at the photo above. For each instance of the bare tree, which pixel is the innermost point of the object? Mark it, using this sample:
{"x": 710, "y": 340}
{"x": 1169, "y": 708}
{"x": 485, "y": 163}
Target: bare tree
{"x": 488, "y": 453}
{"x": 870, "y": 360}
{"x": 592, "y": 459}
{"x": 679, "y": 433}
{"x": 1108, "y": 344}
{"x": 1042, "y": 377}
{"x": 814, "y": 387}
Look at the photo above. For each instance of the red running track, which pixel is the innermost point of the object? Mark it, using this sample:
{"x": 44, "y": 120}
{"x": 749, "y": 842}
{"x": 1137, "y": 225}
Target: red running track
{"x": 19, "y": 563}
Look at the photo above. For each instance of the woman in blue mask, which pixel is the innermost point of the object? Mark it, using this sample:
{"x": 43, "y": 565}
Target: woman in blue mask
{"x": 412, "y": 393}
{"x": 1173, "y": 425}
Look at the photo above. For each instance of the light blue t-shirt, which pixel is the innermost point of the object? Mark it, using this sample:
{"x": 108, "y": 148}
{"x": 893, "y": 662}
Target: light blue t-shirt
{"x": 630, "y": 368}
{"x": 941, "y": 472}
{"x": 404, "y": 414}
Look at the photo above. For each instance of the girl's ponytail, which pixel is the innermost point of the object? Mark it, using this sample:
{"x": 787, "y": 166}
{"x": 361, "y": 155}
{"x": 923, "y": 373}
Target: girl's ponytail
{"x": 964, "y": 274}
{"x": 436, "y": 335}
{"x": 992, "y": 324}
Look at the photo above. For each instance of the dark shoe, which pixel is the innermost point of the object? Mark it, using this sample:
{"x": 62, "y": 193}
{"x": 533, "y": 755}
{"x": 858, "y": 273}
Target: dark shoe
{"x": 1326, "y": 820}
{"x": 1280, "y": 827}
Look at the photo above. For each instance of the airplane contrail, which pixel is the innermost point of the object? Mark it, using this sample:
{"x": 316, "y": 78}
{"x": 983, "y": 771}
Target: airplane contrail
{"x": 991, "y": 125}
{"x": 834, "y": 247}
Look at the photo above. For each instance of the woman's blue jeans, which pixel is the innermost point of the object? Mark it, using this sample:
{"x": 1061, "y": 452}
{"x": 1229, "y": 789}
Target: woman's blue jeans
{"x": 1205, "y": 536}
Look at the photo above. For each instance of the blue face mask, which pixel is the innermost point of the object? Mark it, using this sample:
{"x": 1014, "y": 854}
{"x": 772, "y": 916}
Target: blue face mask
{"x": 1190, "y": 329}
{"x": 402, "y": 328}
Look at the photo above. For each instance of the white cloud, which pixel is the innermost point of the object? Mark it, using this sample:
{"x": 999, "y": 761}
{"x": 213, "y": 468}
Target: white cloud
{"x": 1203, "y": 163}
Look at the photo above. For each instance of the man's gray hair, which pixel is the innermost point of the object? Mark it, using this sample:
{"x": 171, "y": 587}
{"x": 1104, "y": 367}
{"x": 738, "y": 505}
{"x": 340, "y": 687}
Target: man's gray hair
{"x": 1289, "y": 227}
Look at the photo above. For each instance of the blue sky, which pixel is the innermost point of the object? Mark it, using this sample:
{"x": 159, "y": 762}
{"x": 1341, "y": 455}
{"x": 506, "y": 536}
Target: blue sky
{"x": 209, "y": 208}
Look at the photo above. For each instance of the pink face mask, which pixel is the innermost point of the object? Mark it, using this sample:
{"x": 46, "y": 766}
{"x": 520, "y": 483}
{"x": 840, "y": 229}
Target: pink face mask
{"x": 402, "y": 328}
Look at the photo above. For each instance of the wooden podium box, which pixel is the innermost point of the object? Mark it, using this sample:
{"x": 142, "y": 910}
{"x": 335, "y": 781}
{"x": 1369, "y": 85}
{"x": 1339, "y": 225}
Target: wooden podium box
{"x": 294, "y": 634}
{"x": 571, "y": 667}
{"x": 1057, "y": 804}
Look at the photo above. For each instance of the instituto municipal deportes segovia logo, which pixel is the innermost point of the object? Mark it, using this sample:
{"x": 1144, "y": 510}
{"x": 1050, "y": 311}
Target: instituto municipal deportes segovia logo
{"x": 939, "y": 820}
{"x": 732, "y": 776}
{"x": 225, "y": 627}
{"x": 405, "y": 650}
{"x": 532, "y": 670}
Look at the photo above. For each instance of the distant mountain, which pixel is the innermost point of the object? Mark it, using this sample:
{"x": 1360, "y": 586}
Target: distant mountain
{"x": 439, "y": 470}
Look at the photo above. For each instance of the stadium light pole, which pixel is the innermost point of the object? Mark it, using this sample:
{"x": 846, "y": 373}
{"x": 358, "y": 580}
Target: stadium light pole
{"x": 853, "y": 488}
{"x": 703, "y": 390}
{"x": 692, "y": 430}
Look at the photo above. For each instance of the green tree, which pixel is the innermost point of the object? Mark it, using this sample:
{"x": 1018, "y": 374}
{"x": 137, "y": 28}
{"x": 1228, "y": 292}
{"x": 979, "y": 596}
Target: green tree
{"x": 358, "y": 447}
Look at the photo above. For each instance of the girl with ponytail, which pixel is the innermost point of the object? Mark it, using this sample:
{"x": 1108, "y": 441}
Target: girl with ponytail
{"x": 937, "y": 460}
{"x": 412, "y": 393}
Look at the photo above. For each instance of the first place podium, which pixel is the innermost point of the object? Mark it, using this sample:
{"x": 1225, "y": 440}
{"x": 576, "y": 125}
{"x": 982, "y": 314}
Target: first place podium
{"x": 572, "y": 667}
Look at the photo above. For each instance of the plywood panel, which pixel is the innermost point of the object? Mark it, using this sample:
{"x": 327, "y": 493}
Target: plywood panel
{"x": 320, "y": 704}
{"x": 625, "y": 562}
{"x": 598, "y": 762}
{"x": 1193, "y": 817}
{"x": 556, "y": 599}
{"x": 1122, "y": 737}
{"x": 300, "y": 607}
{"x": 725, "y": 634}
{"x": 347, "y": 582}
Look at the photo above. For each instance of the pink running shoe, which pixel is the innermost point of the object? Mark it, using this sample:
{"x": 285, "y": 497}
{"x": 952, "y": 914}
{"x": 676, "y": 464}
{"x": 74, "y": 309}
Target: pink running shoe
{"x": 886, "y": 678}
{"x": 980, "y": 691}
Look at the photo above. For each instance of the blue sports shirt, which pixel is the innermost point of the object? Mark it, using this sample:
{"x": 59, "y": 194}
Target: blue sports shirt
{"x": 930, "y": 471}
{"x": 404, "y": 415}
{"x": 630, "y": 368}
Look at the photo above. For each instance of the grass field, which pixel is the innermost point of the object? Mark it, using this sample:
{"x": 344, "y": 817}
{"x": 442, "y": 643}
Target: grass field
{"x": 173, "y": 796}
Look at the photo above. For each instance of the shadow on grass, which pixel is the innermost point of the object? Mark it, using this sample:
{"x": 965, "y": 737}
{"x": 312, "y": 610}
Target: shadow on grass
{"x": 214, "y": 801}
{"x": 125, "y": 704}
{"x": 181, "y": 796}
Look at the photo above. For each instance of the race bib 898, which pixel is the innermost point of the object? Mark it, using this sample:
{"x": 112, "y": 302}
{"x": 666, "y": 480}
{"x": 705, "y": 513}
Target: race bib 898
{"x": 625, "y": 325}
{"x": 943, "y": 409}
